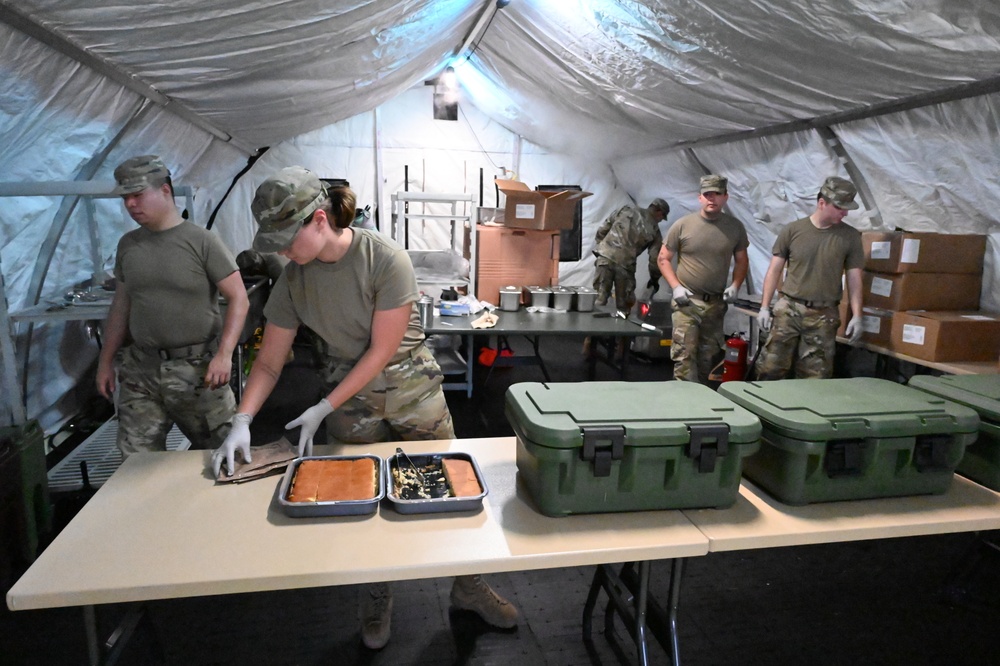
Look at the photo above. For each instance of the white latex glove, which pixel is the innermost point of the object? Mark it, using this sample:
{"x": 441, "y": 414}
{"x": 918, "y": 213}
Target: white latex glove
{"x": 853, "y": 330}
{"x": 729, "y": 295}
{"x": 310, "y": 420}
{"x": 237, "y": 440}
{"x": 764, "y": 319}
{"x": 682, "y": 294}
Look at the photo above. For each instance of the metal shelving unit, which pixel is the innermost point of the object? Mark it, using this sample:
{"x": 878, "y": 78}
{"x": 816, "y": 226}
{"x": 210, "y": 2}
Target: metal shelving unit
{"x": 458, "y": 211}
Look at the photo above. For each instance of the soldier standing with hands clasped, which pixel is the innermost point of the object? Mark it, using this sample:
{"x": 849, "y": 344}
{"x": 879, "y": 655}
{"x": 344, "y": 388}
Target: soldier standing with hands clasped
{"x": 817, "y": 251}
{"x": 704, "y": 243}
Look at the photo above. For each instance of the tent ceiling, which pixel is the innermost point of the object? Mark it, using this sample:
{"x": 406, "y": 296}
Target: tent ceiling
{"x": 558, "y": 72}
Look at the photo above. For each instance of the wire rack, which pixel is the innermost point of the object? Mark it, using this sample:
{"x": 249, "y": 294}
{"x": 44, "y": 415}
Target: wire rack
{"x": 102, "y": 457}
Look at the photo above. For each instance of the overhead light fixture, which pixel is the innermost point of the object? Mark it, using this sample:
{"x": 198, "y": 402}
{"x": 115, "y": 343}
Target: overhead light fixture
{"x": 502, "y": 3}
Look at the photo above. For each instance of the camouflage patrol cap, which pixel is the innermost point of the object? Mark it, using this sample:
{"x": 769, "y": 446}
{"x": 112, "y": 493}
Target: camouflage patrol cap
{"x": 282, "y": 204}
{"x": 662, "y": 205}
{"x": 137, "y": 173}
{"x": 839, "y": 192}
{"x": 714, "y": 183}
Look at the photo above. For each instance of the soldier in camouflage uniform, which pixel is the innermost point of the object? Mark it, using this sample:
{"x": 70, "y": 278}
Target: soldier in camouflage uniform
{"x": 626, "y": 234}
{"x": 803, "y": 323}
{"x": 170, "y": 274}
{"x": 356, "y": 290}
{"x": 704, "y": 244}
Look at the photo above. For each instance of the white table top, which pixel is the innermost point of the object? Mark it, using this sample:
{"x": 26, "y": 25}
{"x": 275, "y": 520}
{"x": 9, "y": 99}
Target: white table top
{"x": 161, "y": 528}
{"x": 759, "y": 521}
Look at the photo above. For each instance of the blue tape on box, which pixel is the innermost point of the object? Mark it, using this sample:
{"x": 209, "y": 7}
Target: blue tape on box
{"x": 449, "y": 309}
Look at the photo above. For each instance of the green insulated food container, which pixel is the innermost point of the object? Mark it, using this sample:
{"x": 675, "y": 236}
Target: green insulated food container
{"x": 982, "y": 393}
{"x": 627, "y": 446}
{"x": 859, "y": 438}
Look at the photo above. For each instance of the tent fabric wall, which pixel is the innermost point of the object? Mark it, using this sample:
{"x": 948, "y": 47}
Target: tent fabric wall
{"x": 623, "y": 99}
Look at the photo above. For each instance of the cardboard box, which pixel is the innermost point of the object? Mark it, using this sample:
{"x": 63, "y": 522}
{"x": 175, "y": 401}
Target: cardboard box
{"x": 518, "y": 257}
{"x": 528, "y": 209}
{"x": 947, "y": 336}
{"x": 921, "y": 291}
{"x": 876, "y": 324}
{"x": 902, "y": 252}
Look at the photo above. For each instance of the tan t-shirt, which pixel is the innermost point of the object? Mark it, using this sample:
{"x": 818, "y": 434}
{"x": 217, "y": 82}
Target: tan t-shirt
{"x": 704, "y": 250}
{"x": 817, "y": 258}
{"x": 337, "y": 300}
{"x": 170, "y": 277}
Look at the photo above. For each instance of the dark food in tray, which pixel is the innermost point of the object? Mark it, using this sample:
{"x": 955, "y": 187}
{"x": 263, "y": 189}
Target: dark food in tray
{"x": 433, "y": 477}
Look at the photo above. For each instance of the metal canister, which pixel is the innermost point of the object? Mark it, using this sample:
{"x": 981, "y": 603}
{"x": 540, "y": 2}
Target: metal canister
{"x": 585, "y": 298}
{"x": 425, "y": 307}
{"x": 562, "y": 298}
{"x": 510, "y": 298}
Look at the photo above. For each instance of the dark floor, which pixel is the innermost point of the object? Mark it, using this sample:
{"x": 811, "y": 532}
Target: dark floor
{"x": 890, "y": 602}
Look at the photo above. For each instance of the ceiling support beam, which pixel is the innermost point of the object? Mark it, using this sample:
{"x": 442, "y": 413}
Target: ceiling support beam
{"x": 964, "y": 91}
{"x": 18, "y": 19}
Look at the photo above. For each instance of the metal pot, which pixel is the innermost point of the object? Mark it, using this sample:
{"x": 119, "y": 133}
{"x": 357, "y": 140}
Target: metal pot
{"x": 585, "y": 299}
{"x": 562, "y": 298}
{"x": 536, "y": 296}
{"x": 510, "y": 298}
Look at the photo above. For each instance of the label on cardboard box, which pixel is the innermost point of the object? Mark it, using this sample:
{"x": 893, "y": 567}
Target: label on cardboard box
{"x": 524, "y": 211}
{"x": 914, "y": 334}
{"x": 870, "y": 323}
{"x": 882, "y": 287}
{"x": 881, "y": 250}
{"x": 911, "y": 251}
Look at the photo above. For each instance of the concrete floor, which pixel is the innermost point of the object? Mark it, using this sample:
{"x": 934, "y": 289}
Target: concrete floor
{"x": 888, "y": 602}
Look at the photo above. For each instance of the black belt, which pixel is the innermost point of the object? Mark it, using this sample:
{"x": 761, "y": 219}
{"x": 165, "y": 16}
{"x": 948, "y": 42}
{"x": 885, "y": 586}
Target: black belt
{"x": 708, "y": 298}
{"x": 182, "y": 352}
{"x": 816, "y": 305}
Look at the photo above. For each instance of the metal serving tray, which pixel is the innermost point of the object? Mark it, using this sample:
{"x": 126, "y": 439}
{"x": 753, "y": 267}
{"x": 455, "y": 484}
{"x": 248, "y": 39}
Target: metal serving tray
{"x": 333, "y": 508}
{"x": 433, "y": 504}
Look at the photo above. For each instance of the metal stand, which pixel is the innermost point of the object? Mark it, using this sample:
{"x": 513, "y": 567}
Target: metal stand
{"x": 628, "y": 595}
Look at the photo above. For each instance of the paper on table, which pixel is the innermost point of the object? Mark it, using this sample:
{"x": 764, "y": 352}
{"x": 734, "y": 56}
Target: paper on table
{"x": 267, "y": 459}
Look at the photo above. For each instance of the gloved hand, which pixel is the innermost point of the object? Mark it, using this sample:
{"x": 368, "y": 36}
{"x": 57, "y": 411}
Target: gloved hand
{"x": 764, "y": 319}
{"x": 853, "y": 330}
{"x": 682, "y": 294}
{"x": 729, "y": 295}
{"x": 238, "y": 439}
{"x": 653, "y": 285}
{"x": 309, "y": 420}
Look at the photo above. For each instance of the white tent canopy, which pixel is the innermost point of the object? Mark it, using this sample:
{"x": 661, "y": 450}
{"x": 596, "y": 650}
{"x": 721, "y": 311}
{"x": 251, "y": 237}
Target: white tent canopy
{"x": 629, "y": 100}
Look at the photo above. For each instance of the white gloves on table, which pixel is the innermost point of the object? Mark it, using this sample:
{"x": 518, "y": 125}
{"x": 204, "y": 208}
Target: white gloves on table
{"x": 310, "y": 421}
{"x": 764, "y": 319}
{"x": 729, "y": 294}
{"x": 853, "y": 330}
{"x": 238, "y": 439}
{"x": 682, "y": 295}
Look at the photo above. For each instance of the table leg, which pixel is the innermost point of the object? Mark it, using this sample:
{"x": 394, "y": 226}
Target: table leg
{"x": 90, "y": 627}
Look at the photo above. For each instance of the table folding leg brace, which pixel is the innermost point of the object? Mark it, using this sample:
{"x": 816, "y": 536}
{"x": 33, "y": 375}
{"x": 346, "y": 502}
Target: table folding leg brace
{"x": 628, "y": 595}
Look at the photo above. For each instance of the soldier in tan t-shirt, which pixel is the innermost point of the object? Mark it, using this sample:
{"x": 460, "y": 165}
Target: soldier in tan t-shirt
{"x": 356, "y": 289}
{"x": 704, "y": 244}
{"x": 817, "y": 251}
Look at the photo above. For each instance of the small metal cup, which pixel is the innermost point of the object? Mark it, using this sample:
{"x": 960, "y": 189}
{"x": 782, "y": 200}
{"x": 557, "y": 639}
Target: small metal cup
{"x": 425, "y": 307}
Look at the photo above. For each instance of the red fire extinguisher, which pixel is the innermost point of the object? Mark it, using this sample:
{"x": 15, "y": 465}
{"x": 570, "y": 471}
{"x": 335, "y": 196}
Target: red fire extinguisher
{"x": 734, "y": 367}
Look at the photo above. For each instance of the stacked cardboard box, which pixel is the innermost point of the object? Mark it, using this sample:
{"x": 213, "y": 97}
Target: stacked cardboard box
{"x": 529, "y": 209}
{"x": 518, "y": 257}
{"x": 921, "y": 296}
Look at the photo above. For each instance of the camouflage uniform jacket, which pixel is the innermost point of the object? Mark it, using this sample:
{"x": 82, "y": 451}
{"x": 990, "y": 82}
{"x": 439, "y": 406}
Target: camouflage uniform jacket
{"x": 626, "y": 234}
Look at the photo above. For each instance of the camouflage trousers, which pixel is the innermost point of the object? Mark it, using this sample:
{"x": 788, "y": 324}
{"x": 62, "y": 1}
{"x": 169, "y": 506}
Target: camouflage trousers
{"x": 610, "y": 275}
{"x": 805, "y": 337}
{"x": 404, "y": 402}
{"x": 698, "y": 340}
{"x": 154, "y": 394}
